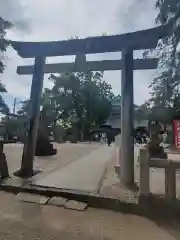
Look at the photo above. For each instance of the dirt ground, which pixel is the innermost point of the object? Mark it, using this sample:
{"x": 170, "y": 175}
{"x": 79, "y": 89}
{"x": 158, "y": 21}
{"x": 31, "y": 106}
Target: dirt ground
{"x": 20, "y": 220}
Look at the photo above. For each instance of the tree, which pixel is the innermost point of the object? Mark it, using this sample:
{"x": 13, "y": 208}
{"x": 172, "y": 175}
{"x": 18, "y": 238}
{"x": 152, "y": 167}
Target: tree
{"x": 3, "y": 106}
{"x": 142, "y": 112}
{"x": 82, "y": 99}
{"x": 169, "y": 15}
{"x": 166, "y": 86}
{"x": 4, "y": 25}
{"x": 79, "y": 101}
{"x": 13, "y": 127}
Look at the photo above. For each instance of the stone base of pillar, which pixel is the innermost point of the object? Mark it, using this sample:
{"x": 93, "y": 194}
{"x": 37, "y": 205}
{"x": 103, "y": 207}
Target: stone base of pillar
{"x": 133, "y": 187}
{"x": 24, "y": 173}
{"x": 45, "y": 148}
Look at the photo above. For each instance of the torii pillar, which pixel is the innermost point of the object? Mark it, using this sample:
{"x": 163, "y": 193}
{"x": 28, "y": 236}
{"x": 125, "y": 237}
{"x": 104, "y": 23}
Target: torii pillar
{"x": 126, "y": 156}
{"x": 26, "y": 169}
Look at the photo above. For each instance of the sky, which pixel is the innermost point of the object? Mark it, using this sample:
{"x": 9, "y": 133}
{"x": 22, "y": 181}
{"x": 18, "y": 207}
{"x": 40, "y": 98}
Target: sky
{"x": 39, "y": 20}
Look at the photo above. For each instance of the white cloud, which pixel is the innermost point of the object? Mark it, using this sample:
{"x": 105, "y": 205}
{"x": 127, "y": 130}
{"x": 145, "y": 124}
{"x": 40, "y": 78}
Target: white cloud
{"x": 15, "y": 12}
{"x": 56, "y": 20}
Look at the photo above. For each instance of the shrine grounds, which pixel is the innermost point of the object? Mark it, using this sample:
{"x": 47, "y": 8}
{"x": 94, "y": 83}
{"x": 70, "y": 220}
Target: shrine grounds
{"x": 36, "y": 221}
{"x": 67, "y": 153}
{"x": 110, "y": 184}
{"x": 22, "y": 220}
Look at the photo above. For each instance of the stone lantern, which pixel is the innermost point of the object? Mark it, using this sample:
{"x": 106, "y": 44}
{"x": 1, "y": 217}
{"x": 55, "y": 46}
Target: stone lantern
{"x": 43, "y": 145}
{"x": 154, "y": 148}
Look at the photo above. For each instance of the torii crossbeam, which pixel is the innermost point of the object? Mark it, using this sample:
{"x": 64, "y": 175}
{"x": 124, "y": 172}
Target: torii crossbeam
{"x": 106, "y": 65}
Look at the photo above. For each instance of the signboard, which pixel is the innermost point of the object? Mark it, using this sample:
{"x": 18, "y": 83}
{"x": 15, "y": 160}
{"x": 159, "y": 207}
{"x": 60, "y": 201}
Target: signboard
{"x": 176, "y": 132}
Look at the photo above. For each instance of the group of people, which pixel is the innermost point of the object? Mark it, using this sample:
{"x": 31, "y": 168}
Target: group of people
{"x": 141, "y": 138}
{"x": 141, "y": 135}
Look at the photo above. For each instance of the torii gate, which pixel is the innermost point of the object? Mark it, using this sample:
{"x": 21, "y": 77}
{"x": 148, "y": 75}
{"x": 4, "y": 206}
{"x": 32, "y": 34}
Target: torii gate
{"x": 146, "y": 39}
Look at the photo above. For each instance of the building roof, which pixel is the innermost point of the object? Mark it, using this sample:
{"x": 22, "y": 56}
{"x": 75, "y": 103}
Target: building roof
{"x": 116, "y": 123}
{"x": 115, "y": 117}
{"x": 116, "y": 103}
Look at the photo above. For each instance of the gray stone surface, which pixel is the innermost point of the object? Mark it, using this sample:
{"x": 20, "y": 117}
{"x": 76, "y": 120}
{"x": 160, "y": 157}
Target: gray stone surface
{"x": 33, "y": 198}
{"x": 19, "y": 220}
{"x": 75, "y": 205}
{"x": 84, "y": 175}
{"x": 67, "y": 153}
{"x": 57, "y": 201}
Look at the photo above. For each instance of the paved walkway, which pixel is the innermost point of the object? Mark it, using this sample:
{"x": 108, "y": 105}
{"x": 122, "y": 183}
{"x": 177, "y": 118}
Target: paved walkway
{"x": 66, "y": 154}
{"x": 83, "y": 175}
{"x": 29, "y": 221}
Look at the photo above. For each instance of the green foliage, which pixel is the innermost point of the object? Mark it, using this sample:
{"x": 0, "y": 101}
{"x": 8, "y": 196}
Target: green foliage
{"x": 13, "y": 127}
{"x": 3, "y": 106}
{"x": 142, "y": 112}
{"x": 4, "y": 25}
{"x": 80, "y": 100}
{"x": 165, "y": 87}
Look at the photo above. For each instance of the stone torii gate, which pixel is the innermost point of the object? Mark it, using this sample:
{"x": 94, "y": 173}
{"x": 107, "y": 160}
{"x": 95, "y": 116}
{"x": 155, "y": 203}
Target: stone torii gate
{"x": 146, "y": 39}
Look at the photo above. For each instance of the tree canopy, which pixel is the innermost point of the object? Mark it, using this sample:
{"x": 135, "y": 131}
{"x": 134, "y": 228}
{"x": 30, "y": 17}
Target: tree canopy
{"x": 4, "y": 26}
{"x": 81, "y": 100}
{"x": 165, "y": 95}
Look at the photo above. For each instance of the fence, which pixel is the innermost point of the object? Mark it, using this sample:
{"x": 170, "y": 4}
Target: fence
{"x": 170, "y": 168}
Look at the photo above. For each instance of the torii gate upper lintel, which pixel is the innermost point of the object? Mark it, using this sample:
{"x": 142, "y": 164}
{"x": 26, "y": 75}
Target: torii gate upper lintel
{"x": 126, "y": 43}
{"x": 138, "y": 40}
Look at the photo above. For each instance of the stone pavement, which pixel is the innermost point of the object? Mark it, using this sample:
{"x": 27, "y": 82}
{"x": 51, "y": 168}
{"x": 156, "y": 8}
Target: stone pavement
{"x": 67, "y": 153}
{"x": 83, "y": 175}
{"x": 20, "y": 220}
{"x": 71, "y": 153}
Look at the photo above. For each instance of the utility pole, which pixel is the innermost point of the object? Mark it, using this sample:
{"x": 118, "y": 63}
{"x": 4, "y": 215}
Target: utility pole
{"x": 14, "y": 106}
{"x": 165, "y": 99}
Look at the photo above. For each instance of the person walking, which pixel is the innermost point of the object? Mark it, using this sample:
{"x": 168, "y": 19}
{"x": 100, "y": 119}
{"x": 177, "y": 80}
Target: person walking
{"x": 103, "y": 138}
{"x": 109, "y": 139}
